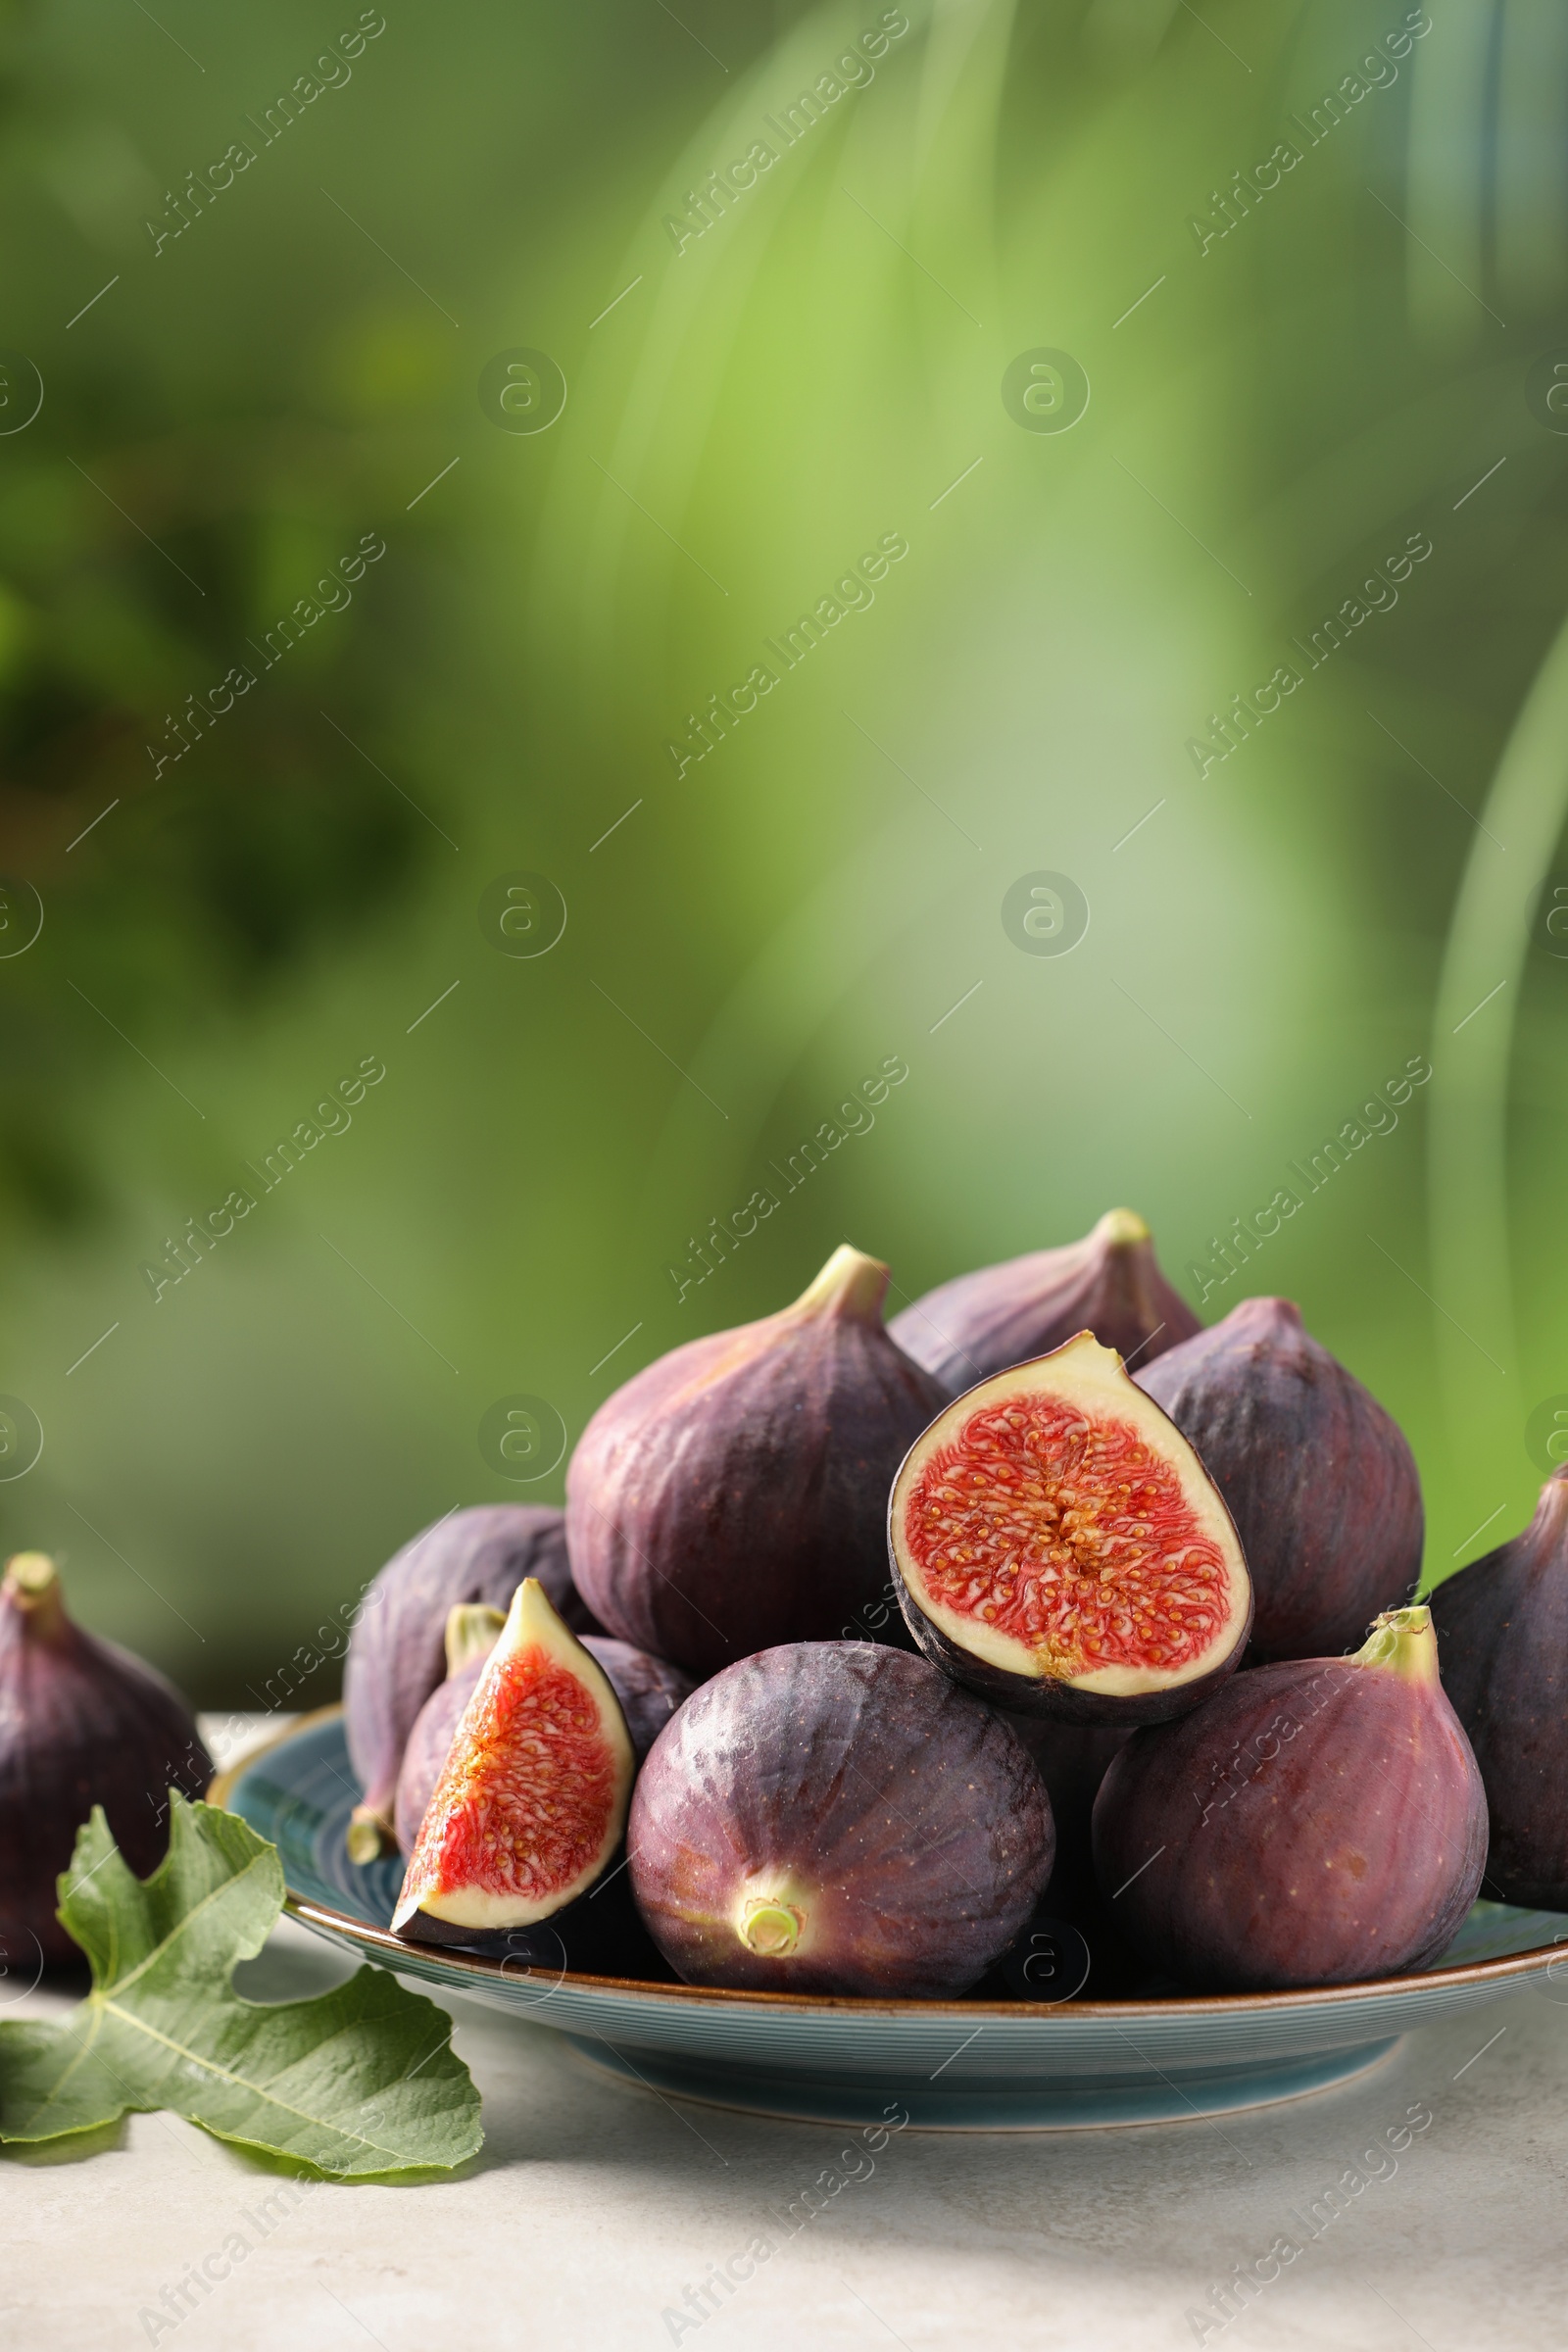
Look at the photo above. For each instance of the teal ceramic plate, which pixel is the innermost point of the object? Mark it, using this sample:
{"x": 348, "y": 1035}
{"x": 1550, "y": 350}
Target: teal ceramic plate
{"x": 966, "y": 2064}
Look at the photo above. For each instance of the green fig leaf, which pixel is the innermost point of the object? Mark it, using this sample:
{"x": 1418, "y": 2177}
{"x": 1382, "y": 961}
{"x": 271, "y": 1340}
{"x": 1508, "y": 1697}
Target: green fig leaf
{"x": 359, "y": 2081}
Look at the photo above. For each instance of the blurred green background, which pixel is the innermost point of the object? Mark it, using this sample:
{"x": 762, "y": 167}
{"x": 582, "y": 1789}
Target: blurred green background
{"x": 1363, "y": 358}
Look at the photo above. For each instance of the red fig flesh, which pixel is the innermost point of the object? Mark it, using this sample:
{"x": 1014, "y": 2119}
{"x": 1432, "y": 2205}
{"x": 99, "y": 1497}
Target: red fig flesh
{"x": 396, "y": 1656}
{"x": 81, "y": 1724}
{"x": 532, "y": 1797}
{"x": 1318, "y": 1822}
{"x": 1503, "y": 1636}
{"x": 837, "y": 1817}
{"x": 1059, "y": 1548}
{"x": 1109, "y": 1283}
{"x": 648, "y": 1693}
{"x": 732, "y": 1495}
{"x": 1318, "y": 1478}
{"x": 473, "y": 1631}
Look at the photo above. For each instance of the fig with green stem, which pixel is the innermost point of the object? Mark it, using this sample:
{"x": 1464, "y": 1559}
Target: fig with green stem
{"x": 731, "y": 1496}
{"x": 81, "y": 1724}
{"x": 1110, "y": 1284}
{"x": 1319, "y": 1821}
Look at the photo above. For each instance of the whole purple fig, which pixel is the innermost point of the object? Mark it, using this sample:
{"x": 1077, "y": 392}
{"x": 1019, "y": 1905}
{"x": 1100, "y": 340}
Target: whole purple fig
{"x": 81, "y": 1724}
{"x": 396, "y": 1654}
{"x": 1319, "y": 1479}
{"x": 732, "y": 1496}
{"x": 648, "y": 1690}
{"x": 1317, "y": 1822}
{"x": 1109, "y": 1283}
{"x": 1503, "y": 1636}
{"x": 837, "y": 1817}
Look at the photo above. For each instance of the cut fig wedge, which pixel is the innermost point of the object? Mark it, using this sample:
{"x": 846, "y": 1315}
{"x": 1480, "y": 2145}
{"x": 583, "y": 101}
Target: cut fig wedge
{"x": 532, "y": 1799}
{"x": 395, "y": 1658}
{"x": 1059, "y": 1546}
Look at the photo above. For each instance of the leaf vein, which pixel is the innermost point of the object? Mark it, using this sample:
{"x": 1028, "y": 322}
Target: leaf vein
{"x": 119, "y": 1983}
{"x": 257, "y": 2091}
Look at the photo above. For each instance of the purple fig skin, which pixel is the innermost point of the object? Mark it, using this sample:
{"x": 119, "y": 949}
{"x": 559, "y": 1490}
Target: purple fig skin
{"x": 1320, "y": 1822}
{"x": 1072, "y": 1760}
{"x": 731, "y": 1496}
{"x": 836, "y": 1817}
{"x": 1109, "y": 1283}
{"x": 1319, "y": 1479}
{"x": 81, "y": 1724}
{"x": 397, "y": 1652}
{"x": 1503, "y": 1637}
{"x": 649, "y": 1691}
{"x": 649, "y": 1688}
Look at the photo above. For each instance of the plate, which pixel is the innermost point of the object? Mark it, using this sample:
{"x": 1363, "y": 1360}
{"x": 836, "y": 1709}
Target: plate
{"x": 963, "y": 2065}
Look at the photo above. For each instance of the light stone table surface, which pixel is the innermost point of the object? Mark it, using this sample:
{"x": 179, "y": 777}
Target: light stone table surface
{"x": 595, "y": 2206}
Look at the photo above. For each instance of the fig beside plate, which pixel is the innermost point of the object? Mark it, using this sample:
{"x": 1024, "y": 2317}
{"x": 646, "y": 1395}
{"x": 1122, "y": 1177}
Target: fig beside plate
{"x": 81, "y": 1724}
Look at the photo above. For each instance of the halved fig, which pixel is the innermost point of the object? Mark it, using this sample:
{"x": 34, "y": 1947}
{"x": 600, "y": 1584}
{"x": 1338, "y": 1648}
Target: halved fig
{"x": 1319, "y": 1822}
{"x": 836, "y": 1817}
{"x": 532, "y": 1799}
{"x": 1109, "y": 1283}
{"x": 1503, "y": 1635}
{"x": 1059, "y": 1548}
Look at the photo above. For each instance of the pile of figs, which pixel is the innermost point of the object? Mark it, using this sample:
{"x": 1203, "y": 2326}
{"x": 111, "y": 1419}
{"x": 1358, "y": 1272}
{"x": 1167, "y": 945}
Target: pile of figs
{"x": 862, "y": 1650}
{"x": 860, "y": 1647}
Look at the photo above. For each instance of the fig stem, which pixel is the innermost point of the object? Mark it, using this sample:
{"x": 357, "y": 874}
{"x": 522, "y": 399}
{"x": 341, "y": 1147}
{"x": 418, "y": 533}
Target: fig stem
{"x": 1121, "y": 1229}
{"x": 368, "y": 1836}
{"x": 32, "y": 1588}
{"x": 770, "y": 1929}
{"x": 1403, "y": 1641}
{"x": 473, "y": 1631}
{"x": 850, "y": 1285}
